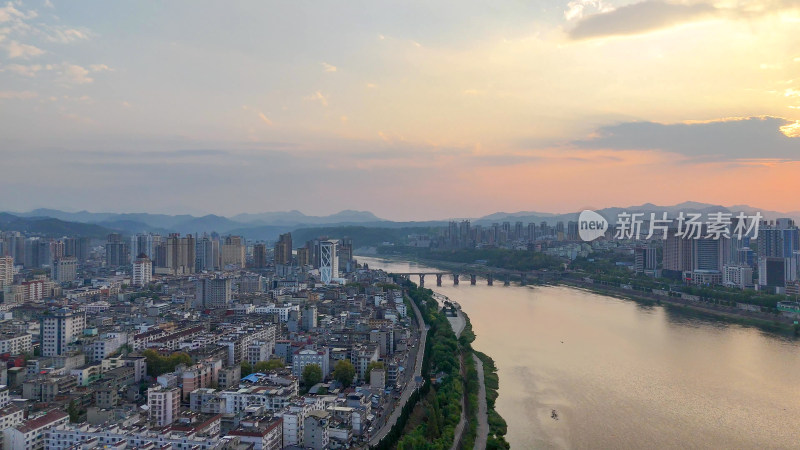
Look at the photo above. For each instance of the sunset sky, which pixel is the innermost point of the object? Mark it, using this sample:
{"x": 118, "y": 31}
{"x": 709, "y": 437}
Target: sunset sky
{"x": 412, "y": 110}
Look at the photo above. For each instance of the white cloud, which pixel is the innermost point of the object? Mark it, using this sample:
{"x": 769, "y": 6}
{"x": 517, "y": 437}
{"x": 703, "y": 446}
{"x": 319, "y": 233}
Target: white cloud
{"x": 100, "y": 68}
{"x": 17, "y": 50}
{"x": 18, "y": 95}
{"x": 75, "y": 74}
{"x": 473, "y": 92}
{"x": 639, "y": 18}
{"x": 9, "y": 13}
{"x": 78, "y": 118}
{"x": 264, "y": 118}
{"x": 576, "y": 9}
{"x": 328, "y": 67}
{"x": 25, "y": 71}
{"x": 126, "y": 105}
{"x": 64, "y": 35}
{"x": 318, "y": 97}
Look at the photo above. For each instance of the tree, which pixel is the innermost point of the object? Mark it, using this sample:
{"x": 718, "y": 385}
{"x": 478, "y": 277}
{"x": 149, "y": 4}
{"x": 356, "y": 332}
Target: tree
{"x": 73, "y": 411}
{"x": 344, "y": 372}
{"x": 265, "y": 366}
{"x": 157, "y": 364}
{"x": 373, "y": 365}
{"x": 312, "y": 374}
{"x": 247, "y": 369}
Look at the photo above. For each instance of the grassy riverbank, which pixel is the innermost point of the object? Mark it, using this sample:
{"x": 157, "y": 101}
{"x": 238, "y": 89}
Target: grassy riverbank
{"x": 497, "y": 425}
{"x": 777, "y": 325}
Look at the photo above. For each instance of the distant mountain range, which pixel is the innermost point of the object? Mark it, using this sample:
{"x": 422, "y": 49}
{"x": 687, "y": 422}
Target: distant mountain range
{"x": 647, "y": 208}
{"x": 49, "y": 226}
{"x": 268, "y": 225}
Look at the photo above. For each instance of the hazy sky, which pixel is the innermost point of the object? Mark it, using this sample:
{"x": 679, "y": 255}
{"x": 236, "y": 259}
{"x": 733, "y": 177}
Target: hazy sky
{"x": 410, "y": 109}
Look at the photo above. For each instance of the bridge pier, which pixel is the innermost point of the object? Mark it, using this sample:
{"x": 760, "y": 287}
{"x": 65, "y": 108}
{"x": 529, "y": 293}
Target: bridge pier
{"x": 438, "y": 279}
{"x": 472, "y": 279}
{"x": 490, "y": 279}
{"x": 422, "y": 280}
{"x": 455, "y": 279}
{"x": 522, "y": 279}
{"x": 507, "y": 280}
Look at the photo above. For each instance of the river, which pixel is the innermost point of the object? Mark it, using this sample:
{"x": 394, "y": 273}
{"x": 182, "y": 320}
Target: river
{"x": 624, "y": 375}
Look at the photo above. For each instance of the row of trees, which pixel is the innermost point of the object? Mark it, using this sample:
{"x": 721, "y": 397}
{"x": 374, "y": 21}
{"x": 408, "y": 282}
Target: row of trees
{"x": 442, "y": 405}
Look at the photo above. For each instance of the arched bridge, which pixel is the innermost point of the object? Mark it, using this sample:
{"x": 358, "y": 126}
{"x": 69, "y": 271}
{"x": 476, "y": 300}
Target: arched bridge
{"x": 505, "y": 275}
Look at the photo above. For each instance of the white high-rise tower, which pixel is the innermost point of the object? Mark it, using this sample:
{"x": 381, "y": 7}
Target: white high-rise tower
{"x": 328, "y": 261}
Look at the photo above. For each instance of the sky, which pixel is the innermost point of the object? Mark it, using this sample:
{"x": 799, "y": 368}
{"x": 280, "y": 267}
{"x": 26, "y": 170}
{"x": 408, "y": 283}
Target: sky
{"x": 412, "y": 109}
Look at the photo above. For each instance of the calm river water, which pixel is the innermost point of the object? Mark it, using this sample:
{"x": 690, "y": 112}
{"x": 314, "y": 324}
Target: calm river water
{"x": 624, "y": 375}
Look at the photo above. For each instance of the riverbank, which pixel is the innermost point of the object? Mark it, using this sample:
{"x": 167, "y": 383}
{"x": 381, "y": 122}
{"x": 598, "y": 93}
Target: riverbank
{"x": 765, "y": 321}
{"x": 772, "y": 323}
{"x": 487, "y": 427}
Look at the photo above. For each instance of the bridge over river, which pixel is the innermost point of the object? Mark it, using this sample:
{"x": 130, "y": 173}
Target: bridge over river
{"x": 489, "y": 274}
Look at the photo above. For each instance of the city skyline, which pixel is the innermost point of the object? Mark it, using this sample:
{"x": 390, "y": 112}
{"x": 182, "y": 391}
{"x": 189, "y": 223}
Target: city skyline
{"x": 223, "y": 109}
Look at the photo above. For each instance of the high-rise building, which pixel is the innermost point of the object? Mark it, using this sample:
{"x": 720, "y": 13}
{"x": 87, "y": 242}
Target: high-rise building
{"x": 309, "y": 318}
{"x": 163, "y": 405}
{"x": 70, "y": 246}
{"x": 644, "y": 259}
{"x": 778, "y": 239}
{"x": 329, "y": 261}
{"x": 13, "y": 245}
{"x": 260, "y": 255}
{"x": 143, "y": 243}
{"x": 180, "y": 254}
{"x": 206, "y": 254}
{"x": 345, "y": 252}
{"x": 303, "y": 257}
{"x": 213, "y": 293}
{"x": 283, "y": 249}
{"x": 142, "y": 273}
{"x": 572, "y": 230}
{"x": 83, "y": 249}
{"x": 708, "y": 254}
{"x": 6, "y": 271}
{"x": 531, "y": 235}
{"x": 233, "y": 251}
{"x": 117, "y": 251}
{"x": 59, "y": 330}
{"x": 37, "y": 253}
{"x": 518, "y": 231}
{"x": 772, "y": 274}
{"x": 64, "y": 269}
{"x": 677, "y": 254}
